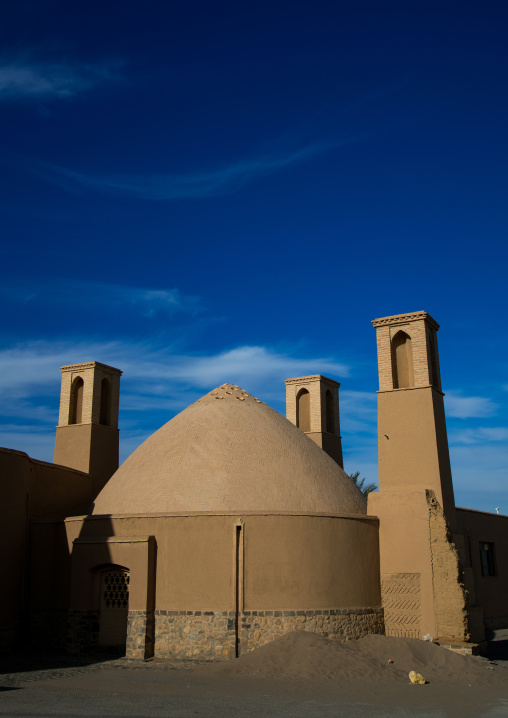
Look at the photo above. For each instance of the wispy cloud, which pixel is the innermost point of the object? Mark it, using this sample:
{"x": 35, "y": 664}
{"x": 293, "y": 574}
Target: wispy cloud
{"x": 156, "y": 383}
{"x": 30, "y": 80}
{"x": 468, "y": 407}
{"x": 109, "y": 297}
{"x": 222, "y": 180}
{"x": 152, "y": 371}
{"x": 480, "y": 435}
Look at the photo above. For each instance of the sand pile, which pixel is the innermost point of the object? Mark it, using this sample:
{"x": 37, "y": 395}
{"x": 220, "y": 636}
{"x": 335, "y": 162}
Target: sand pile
{"x": 305, "y": 655}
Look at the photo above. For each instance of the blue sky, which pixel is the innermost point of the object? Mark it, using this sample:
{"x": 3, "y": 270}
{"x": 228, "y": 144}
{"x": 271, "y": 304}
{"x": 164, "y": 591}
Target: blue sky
{"x": 200, "y": 193}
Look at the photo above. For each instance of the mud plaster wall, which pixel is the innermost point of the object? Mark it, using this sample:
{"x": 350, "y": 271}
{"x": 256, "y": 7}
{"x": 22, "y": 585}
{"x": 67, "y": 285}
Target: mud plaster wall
{"x": 316, "y": 572}
{"x": 450, "y": 600}
{"x": 421, "y": 582}
{"x": 289, "y": 562}
{"x": 413, "y": 444}
{"x": 30, "y": 488}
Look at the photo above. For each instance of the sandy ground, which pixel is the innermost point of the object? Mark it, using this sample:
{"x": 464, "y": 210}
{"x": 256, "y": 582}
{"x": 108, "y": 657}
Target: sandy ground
{"x": 300, "y": 674}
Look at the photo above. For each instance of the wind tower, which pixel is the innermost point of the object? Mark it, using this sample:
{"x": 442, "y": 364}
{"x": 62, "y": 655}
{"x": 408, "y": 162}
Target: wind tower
{"x": 87, "y": 433}
{"x": 412, "y": 438}
{"x": 422, "y": 586}
{"x": 312, "y": 404}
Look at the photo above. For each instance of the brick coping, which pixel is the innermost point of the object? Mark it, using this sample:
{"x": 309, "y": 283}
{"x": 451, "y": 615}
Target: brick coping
{"x": 274, "y": 613}
{"x": 184, "y": 514}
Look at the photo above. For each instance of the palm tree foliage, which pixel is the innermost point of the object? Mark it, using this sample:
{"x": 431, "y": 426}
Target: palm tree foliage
{"x": 364, "y": 488}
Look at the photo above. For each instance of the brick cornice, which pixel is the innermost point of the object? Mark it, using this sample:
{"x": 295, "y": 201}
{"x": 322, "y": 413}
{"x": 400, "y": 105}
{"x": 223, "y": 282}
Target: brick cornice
{"x": 404, "y": 319}
{"x": 91, "y": 365}
{"x": 312, "y": 378}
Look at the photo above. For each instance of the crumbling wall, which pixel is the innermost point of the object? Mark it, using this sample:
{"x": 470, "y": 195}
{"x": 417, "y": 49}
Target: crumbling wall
{"x": 450, "y": 596}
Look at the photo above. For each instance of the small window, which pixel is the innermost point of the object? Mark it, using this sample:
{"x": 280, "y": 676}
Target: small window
{"x": 487, "y": 561}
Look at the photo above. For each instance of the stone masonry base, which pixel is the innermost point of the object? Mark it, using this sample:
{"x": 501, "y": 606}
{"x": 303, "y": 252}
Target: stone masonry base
{"x": 199, "y": 635}
{"x": 140, "y": 627}
{"x": 213, "y": 635}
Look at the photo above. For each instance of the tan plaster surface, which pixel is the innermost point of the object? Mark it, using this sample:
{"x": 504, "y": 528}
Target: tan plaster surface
{"x": 413, "y": 445}
{"x": 229, "y": 451}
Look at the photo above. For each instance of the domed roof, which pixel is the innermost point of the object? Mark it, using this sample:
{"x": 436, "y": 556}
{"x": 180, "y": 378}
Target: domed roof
{"x": 229, "y": 452}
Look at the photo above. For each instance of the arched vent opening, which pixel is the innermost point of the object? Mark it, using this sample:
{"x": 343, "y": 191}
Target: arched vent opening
{"x": 105, "y": 401}
{"x": 303, "y": 410}
{"x": 330, "y": 414}
{"x": 433, "y": 360}
{"x": 76, "y": 408}
{"x": 402, "y": 361}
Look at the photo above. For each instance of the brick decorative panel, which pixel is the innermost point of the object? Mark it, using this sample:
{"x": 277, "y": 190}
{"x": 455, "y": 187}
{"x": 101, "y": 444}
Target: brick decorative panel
{"x": 400, "y": 595}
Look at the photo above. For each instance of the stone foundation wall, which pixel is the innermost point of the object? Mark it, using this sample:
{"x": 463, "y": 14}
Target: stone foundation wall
{"x": 213, "y": 635}
{"x": 140, "y": 634}
{"x": 199, "y": 635}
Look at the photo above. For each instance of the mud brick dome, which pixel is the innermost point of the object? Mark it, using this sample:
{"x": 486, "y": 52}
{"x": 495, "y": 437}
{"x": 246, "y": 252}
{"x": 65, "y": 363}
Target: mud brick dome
{"x": 232, "y": 525}
{"x": 229, "y": 452}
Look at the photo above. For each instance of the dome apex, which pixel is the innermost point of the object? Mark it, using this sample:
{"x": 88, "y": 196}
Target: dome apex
{"x": 229, "y": 392}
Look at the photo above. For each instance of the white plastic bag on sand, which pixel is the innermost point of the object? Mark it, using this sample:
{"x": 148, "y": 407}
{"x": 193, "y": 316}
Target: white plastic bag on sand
{"x": 427, "y": 637}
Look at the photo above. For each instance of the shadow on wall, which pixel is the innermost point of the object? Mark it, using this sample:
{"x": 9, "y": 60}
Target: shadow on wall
{"x": 112, "y": 589}
{"x": 79, "y": 581}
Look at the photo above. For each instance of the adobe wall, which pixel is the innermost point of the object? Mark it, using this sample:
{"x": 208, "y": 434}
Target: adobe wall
{"x": 413, "y": 444}
{"x": 491, "y": 591}
{"x": 312, "y": 572}
{"x": 54, "y": 490}
{"x": 13, "y": 527}
{"x": 30, "y": 489}
{"x": 290, "y": 561}
{"x": 89, "y": 448}
{"x": 421, "y": 578}
{"x": 57, "y": 490}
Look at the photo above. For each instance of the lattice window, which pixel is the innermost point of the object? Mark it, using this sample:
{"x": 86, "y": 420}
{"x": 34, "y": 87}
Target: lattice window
{"x": 115, "y": 589}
